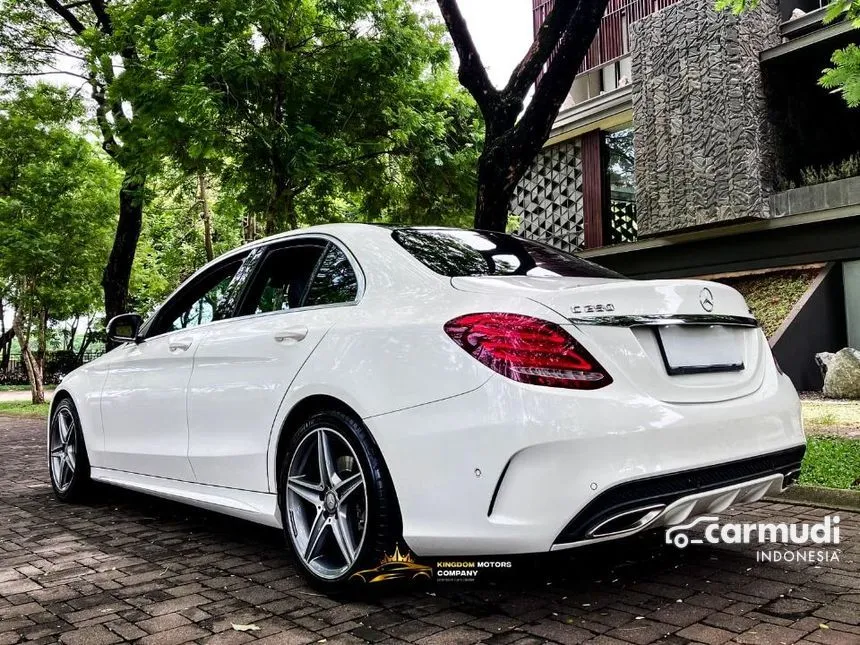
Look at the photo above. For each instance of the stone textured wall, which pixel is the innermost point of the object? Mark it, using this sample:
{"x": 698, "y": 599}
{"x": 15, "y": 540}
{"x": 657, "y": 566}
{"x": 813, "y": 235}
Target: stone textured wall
{"x": 703, "y": 145}
{"x": 548, "y": 199}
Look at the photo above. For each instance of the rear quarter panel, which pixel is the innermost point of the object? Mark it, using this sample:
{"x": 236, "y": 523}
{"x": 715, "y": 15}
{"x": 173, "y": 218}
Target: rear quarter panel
{"x": 394, "y": 355}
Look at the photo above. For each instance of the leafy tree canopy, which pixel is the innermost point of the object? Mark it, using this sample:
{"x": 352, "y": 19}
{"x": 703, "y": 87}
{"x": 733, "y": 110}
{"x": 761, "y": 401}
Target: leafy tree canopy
{"x": 311, "y": 110}
{"x": 57, "y": 203}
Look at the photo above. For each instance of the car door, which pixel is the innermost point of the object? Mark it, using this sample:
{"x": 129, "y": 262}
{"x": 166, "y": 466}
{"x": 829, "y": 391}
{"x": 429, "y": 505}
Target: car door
{"x": 143, "y": 400}
{"x": 244, "y": 367}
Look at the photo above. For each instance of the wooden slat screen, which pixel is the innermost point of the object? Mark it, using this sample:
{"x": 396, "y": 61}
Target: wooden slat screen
{"x": 612, "y": 40}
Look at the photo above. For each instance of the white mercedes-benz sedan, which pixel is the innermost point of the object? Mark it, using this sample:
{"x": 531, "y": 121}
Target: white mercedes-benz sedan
{"x": 456, "y": 392}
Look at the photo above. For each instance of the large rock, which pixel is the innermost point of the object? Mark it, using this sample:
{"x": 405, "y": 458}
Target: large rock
{"x": 843, "y": 375}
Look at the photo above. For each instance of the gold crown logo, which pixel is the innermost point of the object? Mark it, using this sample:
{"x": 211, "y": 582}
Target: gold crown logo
{"x": 397, "y": 557}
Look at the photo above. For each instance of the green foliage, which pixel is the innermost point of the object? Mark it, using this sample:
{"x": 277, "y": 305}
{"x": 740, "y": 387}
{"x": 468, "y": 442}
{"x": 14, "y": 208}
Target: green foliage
{"x": 846, "y": 168}
{"x": 844, "y": 76}
{"x": 310, "y": 111}
{"x": 172, "y": 246}
{"x": 772, "y": 296}
{"x": 57, "y": 204}
{"x": 831, "y": 462}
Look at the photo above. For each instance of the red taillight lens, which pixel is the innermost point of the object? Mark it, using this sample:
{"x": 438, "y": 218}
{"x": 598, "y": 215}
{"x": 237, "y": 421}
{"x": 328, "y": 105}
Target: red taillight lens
{"x": 528, "y": 350}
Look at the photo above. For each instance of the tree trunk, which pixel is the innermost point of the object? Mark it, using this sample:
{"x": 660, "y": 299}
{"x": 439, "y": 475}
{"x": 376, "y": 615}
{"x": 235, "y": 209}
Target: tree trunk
{"x": 497, "y": 181}
{"x": 250, "y": 227}
{"x": 207, "y": 217}
{"x": 31, "y": 365}
{"x": 6, "y": 348}
{"x": 117, "y": 273}
{"x": 4, "y": 356}
{"x": 73, "y": 331}
{"x": 282, "y": 209}
{"x": 42, "y": 335}
{"x": 514, "y": 132}
{"x": 86, "y": 340}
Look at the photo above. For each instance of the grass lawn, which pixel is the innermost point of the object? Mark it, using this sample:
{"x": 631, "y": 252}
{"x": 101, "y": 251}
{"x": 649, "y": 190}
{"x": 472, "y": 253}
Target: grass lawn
{"x": 14, "y": 388}
{"x": 831, "y": 417}
{"x": 24, "y": 409}
{"x": 833, "y": 462}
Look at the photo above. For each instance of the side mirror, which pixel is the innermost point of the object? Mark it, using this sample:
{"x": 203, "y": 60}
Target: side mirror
{"x": 125, "y": 328}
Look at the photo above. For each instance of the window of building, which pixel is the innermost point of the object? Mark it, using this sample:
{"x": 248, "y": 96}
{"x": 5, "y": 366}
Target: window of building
{"x": 620, "y": 184}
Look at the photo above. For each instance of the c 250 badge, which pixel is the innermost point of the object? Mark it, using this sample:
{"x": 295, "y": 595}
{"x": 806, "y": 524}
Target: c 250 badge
{"x": 592, "y": 309}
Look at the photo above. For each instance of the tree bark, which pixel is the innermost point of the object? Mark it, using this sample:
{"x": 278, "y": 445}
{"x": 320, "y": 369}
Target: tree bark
{"x": 117, "y": 273}
{"x": 207, "y": 216}
{"x": 4, "y": 355}
{"x": 6, "y": 348}
{"x": 34, "y": 372}
{"x": 250, "y": 227}
{"x": 514, "y": 137}
{"x": 86, "y": 340}
{"x": 282, "y": 209}
{"x": 497, "y": 180}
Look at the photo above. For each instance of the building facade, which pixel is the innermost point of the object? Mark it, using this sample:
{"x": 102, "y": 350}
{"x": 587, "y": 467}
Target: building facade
{"x": 697, "y": 143}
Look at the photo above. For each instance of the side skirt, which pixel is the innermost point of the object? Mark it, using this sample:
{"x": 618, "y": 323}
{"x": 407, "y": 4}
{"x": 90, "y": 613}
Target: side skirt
{"x": 261, "y": 508}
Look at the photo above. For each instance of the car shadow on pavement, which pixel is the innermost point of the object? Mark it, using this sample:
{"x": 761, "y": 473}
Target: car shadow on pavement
{"x": 168, "y": 529}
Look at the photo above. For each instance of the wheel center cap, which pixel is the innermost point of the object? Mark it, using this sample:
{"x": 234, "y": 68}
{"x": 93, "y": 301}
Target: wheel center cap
{"x": 330, "y": 501}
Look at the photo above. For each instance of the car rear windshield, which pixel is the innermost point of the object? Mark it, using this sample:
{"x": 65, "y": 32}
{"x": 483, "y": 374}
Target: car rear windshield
{"x": 460, "y": 253}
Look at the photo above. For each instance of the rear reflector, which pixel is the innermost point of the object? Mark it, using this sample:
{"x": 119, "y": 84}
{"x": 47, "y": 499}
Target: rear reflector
{"x": 528, "y": 350}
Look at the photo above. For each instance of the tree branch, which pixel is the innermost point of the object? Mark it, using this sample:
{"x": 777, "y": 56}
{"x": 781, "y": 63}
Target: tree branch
{"x": 66, "y": 14}
{"x": 525, "y": 74}
{"x": 53, "y": 72}
{"x": 472, "y": 73}
{"x": 536, "y": 123}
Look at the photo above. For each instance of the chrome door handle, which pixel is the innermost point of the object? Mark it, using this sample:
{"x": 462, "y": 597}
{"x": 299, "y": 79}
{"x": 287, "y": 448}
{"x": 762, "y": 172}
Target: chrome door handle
{"x": 294, "y": 334}
{"x": 180, "y": 344}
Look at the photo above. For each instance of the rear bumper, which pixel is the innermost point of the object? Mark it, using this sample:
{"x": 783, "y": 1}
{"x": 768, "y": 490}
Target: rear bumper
{"x": 509, "y": 468}
{"x": 666, "y": 500}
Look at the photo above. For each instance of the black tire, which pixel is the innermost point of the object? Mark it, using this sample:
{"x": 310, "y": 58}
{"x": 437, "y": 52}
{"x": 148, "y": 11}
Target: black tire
{"x": 75, "y": 488}
{"x": 383, "y": 523}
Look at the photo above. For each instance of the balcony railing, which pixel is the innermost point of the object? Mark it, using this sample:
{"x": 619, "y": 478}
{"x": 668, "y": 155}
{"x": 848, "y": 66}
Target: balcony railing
{"x": 613, "y": 38}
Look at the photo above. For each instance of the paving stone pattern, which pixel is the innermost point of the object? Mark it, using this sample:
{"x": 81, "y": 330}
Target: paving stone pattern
{"x": 129, "y": 568}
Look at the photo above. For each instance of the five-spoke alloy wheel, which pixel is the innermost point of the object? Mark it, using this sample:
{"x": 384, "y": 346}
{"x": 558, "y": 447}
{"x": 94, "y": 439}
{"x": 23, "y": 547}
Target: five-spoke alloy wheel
{"x": 338, "y": 509}
{"x": 327, "y": 499}
{"x": 67, "y": 455}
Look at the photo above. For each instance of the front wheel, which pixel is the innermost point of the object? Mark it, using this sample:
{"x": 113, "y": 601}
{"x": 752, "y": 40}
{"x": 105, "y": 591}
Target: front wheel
{"x": 338, "y": 506}
{"x": 67, "y": 454}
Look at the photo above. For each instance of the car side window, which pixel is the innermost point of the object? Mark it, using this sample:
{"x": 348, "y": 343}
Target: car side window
{"x": 200, "y": 303}
{"x": 335, "y": 281}
{"x": 283, "y": 279}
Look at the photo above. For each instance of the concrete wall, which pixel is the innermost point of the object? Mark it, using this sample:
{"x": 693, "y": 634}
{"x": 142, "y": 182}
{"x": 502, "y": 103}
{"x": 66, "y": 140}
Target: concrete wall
{"x": 851, "y": 281}
{"x": 704, "y": 153}
{"x": 817, "y": 325}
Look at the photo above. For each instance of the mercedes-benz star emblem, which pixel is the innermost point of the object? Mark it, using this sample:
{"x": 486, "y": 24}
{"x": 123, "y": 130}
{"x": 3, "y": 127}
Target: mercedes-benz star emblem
{"x": 706, "y": 299}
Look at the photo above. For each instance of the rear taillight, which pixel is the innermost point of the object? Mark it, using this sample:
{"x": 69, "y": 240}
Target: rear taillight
{"x": 528, "y": 350}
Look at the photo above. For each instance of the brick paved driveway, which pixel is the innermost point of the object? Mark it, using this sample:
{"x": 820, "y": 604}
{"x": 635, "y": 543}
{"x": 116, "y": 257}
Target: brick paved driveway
{"x": 132, "y": 568}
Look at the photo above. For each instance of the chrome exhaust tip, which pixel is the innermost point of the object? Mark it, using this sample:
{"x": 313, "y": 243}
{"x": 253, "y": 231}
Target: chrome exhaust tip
{"x": 626, "y": 522}
{"x": 790, "y": 478}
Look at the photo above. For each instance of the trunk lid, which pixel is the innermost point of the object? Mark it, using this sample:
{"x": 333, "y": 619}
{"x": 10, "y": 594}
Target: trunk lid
{"x": 653, "y": 333}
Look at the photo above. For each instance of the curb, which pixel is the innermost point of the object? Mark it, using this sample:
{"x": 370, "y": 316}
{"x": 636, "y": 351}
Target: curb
{"x": 838, "y": 498}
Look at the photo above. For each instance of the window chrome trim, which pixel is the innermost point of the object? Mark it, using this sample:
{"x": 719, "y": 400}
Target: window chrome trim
{"x": 665, "y": 319}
